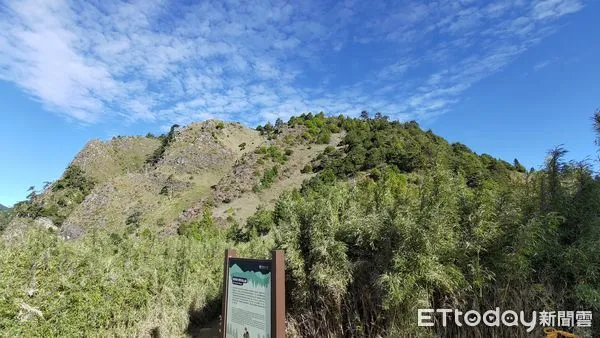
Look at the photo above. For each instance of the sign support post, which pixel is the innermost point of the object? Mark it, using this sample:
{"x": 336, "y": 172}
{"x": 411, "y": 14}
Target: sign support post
{"x": 228, "y": 254}
{"x": 278, "y": 295}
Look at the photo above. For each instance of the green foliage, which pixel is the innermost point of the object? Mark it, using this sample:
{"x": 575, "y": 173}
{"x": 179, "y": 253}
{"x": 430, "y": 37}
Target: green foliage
{"x": 6, "y": 216}
{"x": 420, "y": 239}
{"x": 420, "y": 224}
{"x": 307, "y": 169}
{"x": 319, "y": 128}
{"x": 337, "y": 238}
{"x": 267, "y": 179}
{"x": 133, "y": 222}
{"x": 272, "y": 153}
{"x": 373, "y": 143}
{"x": 74, "y": 178}
{"x": 596, "y": 119}
{"x": 518, "y": 166}
{"x": 323, "y": 137}
{"x": 220, "y": 125}
{"x": 279, "y": 123}
{"x": 259, "y": 224}
{"x": 434, "y": 224}
{"x": 238, "y": 233}
{"x": 268, "y": 130}
{"x": 165, "y": 142}
{"x": 67, "y": 192}
{"x": 195, "y": 229}
{"x": 107, "y": 285}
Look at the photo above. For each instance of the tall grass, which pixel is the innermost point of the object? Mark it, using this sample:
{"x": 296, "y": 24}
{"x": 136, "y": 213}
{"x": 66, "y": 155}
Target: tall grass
{"x": 107, "y": 285}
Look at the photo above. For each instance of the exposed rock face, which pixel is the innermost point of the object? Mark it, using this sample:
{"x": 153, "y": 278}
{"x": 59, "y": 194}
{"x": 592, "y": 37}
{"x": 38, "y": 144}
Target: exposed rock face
{"x": 121, "y": 155}
{"x": 16, "y": 228}
{"x": 197, "y": 148}
{"x": 207, "y": 164}
{"x": 71, "y": 231}
{"x": 18, "y": 225}
{"x": 45, "y": 223}
{"x": 233, "y": 195}
{"x": 240, "y": 180}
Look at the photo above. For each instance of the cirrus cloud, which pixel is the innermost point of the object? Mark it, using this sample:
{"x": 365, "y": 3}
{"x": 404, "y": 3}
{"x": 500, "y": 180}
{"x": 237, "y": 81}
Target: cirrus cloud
{"x": 161, "y": 61}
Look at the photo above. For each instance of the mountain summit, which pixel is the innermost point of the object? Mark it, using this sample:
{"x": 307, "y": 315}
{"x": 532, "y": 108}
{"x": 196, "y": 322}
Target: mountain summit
{"x": 377, "y": 219}
{"x": 162, "y": 182}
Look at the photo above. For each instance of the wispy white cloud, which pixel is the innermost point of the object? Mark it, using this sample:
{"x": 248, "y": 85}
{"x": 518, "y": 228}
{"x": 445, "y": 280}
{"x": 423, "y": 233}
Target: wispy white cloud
{"x": 543, "y": 64}
{"x": 549, "y": 9}
{"x": 163, "y": 62}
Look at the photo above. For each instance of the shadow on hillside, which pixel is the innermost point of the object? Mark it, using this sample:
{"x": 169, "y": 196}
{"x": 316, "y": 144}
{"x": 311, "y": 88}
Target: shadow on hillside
{"x": 204, "y": 322}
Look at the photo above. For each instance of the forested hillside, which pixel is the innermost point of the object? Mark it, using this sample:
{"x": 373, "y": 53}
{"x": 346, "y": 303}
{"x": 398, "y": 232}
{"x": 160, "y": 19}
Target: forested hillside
{"x": 5, "y": 217}
{"x": 389, "y": 220}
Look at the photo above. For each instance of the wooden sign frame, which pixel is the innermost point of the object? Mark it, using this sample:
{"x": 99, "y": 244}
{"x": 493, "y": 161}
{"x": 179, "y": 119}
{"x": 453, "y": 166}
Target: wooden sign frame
{"x": 277, "y": 292}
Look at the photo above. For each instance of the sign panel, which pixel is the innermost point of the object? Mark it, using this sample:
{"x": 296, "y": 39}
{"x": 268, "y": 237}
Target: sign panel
{"x": 248, "y": 298}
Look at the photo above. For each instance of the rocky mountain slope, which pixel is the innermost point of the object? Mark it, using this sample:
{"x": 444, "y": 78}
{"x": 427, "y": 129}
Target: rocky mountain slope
{"x": 157, "y": 183}
{"x": 387, "y": 219}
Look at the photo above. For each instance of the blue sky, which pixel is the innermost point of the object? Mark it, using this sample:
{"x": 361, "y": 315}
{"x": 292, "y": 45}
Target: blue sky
{"x": 508, "y": 78}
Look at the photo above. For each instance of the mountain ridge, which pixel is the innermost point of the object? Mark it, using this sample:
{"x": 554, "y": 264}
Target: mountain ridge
{"x": 377, "y": 219}
{"x": 216, "y": 165}
{"x": 210, "y": 163}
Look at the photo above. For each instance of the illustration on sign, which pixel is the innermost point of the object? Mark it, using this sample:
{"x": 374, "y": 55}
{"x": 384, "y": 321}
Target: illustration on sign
{"x": 248, "y": 299}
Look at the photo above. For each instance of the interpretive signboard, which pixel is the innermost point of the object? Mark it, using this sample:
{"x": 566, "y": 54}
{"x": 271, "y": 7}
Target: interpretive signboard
{"x": 249, "y": 298}
{"x": 253, "y": 304}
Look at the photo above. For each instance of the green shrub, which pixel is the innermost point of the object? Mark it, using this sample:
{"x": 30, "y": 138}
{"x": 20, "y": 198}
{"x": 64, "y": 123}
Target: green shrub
{"x": 74, "y": 178}
{"x": 194, "y": 229}
{"x": 67, "y": 192}
{"x": 272, "y": 153}
{"x": 289, "y": 139}
{"x": 261, "y": 222}
{"x": 324, "y": 137}
{"x": 329, "y": 150}
{"x": 5, "y": 218}
{"x": 257, "y": 225}
{"x": 165, "y": 142}
{"x": 238, "y": 233}
{"x": 267, "y": 179}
